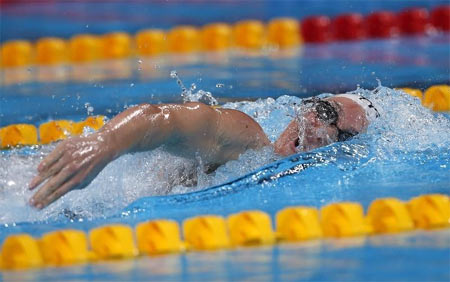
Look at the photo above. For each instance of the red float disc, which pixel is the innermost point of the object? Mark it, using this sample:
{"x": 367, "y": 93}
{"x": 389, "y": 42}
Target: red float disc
{"x": 316, "y": 29}
{"x": 348, "y": 27}
{"x": 440, "y": 18}
{"x": 381, "y": 24}
{"x": 413, "y": 20}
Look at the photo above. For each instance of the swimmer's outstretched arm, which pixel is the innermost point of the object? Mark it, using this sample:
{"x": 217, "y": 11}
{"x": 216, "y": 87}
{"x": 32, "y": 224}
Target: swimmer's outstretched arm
{"x": 75, "y": 162}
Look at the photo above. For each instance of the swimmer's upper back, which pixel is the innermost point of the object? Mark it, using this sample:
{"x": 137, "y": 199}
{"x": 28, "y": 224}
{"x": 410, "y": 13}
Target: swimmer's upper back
{"x": 218, "y": 134}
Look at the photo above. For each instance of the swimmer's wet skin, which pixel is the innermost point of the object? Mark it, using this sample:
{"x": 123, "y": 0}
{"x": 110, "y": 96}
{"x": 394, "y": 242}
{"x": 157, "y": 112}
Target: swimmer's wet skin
{"x": 192, "y": 130}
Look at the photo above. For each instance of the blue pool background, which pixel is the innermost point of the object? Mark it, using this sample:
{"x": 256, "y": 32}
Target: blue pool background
{"x": 35, "y": 19}
{"x": 416, "y": 62}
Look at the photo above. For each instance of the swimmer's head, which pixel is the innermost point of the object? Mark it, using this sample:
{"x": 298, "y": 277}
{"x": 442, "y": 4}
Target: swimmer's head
{"x": 325, "y": 121}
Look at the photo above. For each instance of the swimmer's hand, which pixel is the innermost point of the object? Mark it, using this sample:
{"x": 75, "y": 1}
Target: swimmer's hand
{"x": 73, "y": 164}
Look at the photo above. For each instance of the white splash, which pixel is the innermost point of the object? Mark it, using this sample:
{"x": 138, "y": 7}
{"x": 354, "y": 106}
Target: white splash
{"x": 191, "y": 96}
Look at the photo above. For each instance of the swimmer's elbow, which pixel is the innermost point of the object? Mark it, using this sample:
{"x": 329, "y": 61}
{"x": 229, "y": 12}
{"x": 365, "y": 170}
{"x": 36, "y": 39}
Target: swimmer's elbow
{"x": 149, "y": 109}
{"x": 157, "y": 115}
{"x": 198, "y": 108}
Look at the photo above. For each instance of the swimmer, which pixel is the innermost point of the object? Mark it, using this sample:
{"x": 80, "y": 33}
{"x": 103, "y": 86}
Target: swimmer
{"x": 194, "y": 130}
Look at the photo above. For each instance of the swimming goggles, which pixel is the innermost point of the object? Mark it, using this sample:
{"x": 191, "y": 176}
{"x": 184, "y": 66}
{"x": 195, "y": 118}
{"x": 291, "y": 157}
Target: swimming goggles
{"x": 328, "y": 113}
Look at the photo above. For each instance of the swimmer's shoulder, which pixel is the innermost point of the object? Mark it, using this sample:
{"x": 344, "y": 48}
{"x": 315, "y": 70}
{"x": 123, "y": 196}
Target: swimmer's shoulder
{"x": 231, "y": 115}
{"x": 196, "y": 116}
{"x": 243, "y": 127}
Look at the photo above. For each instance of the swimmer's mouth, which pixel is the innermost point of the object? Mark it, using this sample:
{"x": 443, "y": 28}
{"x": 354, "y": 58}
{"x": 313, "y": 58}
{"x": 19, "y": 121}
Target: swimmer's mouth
{"x": 295, "y": 145}
{"x": 297, "y": 142}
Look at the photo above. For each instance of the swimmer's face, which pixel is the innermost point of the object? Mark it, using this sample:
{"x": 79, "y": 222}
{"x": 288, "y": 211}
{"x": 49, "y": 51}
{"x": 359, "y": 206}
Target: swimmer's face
{"x": 321, "y": 128}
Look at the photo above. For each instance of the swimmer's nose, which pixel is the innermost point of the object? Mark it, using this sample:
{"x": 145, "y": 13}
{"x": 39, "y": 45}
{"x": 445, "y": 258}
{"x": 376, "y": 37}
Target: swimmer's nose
{"x": 287, "y": 148}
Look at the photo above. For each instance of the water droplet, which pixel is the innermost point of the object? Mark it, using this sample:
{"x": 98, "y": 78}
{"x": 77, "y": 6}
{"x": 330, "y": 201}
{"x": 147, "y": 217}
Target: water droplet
{"x": 220, "y": 85}
{"x": 131, "y": 84}
{"x": 139, "y": 61}
{"x": 89, "y": 108}
{"x": 173, "y": 74}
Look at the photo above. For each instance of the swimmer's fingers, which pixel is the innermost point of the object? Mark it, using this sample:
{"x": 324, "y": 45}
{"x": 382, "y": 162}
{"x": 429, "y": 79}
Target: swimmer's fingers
{"x": 50, "y": 171}
{"x": 58, "y": 193}
{"x": 51, "y": 186}
{"x": 51, "y": 158}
